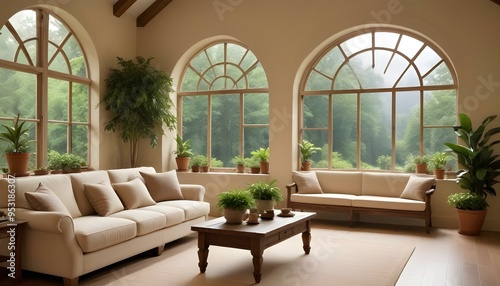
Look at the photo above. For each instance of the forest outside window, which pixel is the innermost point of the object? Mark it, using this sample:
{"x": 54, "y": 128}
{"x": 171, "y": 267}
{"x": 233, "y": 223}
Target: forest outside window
{"x": 374, "y": 97}
{"x": 44, "y": 77}
{"x": 224, "y": 103}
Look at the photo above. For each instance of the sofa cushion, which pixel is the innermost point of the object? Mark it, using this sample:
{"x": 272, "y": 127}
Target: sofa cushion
{"x": 133, "y": 194}
{"x": 416, "y": 187}
{"x": 103, "y": 198}
{"x": 128, "y": 174}
{"x": 340, "y": 182}
{"x": 43, "y": 199}
{"x": 163, "y": 186}
{"x": 94, "y": 232}
{"x": 192, "y": 209}
{"x": 146, "y": 221}
{"x": 307, "y": 183}
{"x": 77, "y": 181}
{"x": 387, "y": 203}
{"x": 384, "y": 184}
{"x": 173, "y": 215}
{"x": 324, "y": 199}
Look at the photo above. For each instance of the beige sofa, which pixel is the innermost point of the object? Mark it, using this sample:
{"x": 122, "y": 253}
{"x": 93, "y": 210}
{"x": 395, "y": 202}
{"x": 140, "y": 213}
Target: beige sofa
{"x": 395, "y": 194}
{"x": 80, "y": 240}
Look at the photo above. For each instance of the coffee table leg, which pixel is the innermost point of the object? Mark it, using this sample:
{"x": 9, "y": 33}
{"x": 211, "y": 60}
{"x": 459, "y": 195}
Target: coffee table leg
{"x": 257, "y": 260}
{"x": 306, "y": 238}
{"x": 202, "y": 253}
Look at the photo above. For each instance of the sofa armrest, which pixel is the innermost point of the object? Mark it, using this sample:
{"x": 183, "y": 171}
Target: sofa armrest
{"x": 289, "y": 190}
{"x": 193, "y": 192}
{"x": 428, "y": 195}
{"x": 52, "y": 222}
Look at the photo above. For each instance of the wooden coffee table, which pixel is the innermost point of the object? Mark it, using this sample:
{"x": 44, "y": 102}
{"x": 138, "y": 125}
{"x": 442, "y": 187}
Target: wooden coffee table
{"x": 253, "y": 237}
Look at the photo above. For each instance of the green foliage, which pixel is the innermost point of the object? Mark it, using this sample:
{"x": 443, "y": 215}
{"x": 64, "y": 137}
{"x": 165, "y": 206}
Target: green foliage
{"x": 438, "y": 160}
{"x": 183, "y": 148}
{"x": 419, "y": 159}
{"x": 467, "y": 201}
{"x": 384, "y": 162}
{"x": 261, "y": 154}
{"x": 16, "y": 136}
{"x": 138, "y": 97}
{"x": 198, "y": 160}
{"x": 238, "y": 160}
{"x": 307, "y": 149}
{"x": 265, "y": 191}
{"x": 59, "y": 161}
{"x": 481, "y": 167}
{"x": 214, "y": 162}
{"x": 252, "y": 162}
{"x": 235, "y": 199}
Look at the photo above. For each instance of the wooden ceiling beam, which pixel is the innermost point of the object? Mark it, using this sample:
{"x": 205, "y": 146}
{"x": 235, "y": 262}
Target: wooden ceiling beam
{"x": 122, "y": 6}
{"x": 151, "y": 12}
{"x": 496, "y": 1}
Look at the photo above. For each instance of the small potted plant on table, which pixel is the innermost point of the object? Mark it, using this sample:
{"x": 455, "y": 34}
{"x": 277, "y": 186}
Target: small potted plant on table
{"x": 265, "y": 194}
{"x": 235, "y": 203}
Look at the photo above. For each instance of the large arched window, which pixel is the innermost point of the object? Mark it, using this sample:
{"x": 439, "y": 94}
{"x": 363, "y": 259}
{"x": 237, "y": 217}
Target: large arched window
{"x": 376, "y": 96}
{"x": 44, "y": 77}
{"x": 224, "y": 103}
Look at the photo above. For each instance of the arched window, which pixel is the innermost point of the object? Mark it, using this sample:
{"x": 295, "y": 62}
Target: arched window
{"x": 376, "y": 96}
{"x": 45, "y": 78}
{"x": 224, "y": 103}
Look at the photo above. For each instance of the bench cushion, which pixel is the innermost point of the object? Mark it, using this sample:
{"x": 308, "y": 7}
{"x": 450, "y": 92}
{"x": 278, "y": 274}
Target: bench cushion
{"x": 324, "y": 199}
{"x": 387, "y": 203}
{"x": 384, "y": 184}
{"x": 340, "y": 182}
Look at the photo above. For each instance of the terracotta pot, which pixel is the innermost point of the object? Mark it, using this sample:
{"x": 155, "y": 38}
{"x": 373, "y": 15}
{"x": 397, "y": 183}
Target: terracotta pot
{"x": 306, "y": 166}
{"x": 264, "y": 167}
{"x": 18, "y": 163}
{"x": 182, "y": 163}
{"x": 234, "y": 216}
{"x": 241, "y": 169}
{"x": 195, "y": 169}
{"x": 421, "y": 168}
{"x": 263, "y": 205}
{"x": 470, "y": 222}
{"x": 254, "y": 170}
{"x": 439, "y": 174}
{"x": 205, "y": 169}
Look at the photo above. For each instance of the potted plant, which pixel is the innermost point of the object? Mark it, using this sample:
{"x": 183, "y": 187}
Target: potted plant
{"x": 138, "y": 97}
{"x": 239, "y": 162}
{"x": 17, "y": 151}
{"x": 253, "y": 164}
{"x": 265, "y": 194}
{"x": 480, "y": 170}
{"x": 307, "y": 149}
{"x": 421, "y": 163}
{"x": 196, "y": 162}
{"x": 205, "y": 166}
{"x": 262, "y": 155}
{"x": 184, "y": 153}
{"x": 5, "y": 172}
{"x": 42, "y": 170}
{"x": 55, "y": 162}
{"x": 234, "y": 203}
{"x": 438, "y": 162}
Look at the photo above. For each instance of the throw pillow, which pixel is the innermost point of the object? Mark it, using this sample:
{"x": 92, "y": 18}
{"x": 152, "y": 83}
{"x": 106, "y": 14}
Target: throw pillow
{"x": 163, "y": 186}
{"x": 307, "y": 183}
{"x": 44, "y": 199}
{"x": 103, "y": 199}
{"x": 416, "y": 187}
{"x": 133, "y": 194}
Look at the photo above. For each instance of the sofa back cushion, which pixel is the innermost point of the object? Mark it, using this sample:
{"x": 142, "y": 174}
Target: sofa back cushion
{"x": 60, "y": 185}
{"x": 126, "y": 175}
{"x": 77, "y": 181}
{"x": 340, "y": 182}
{"x": 384, "y": 184}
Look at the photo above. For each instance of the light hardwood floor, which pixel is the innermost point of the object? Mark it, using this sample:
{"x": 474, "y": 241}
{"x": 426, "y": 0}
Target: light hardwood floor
{"x": 442, "y": 257}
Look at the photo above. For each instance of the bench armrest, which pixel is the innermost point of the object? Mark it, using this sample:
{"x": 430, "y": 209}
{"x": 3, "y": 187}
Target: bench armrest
{"x": 289, "y": 190}
{"x": 428, "y": 195}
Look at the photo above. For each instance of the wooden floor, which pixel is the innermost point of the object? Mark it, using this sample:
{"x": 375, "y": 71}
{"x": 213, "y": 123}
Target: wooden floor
{"x": 442, "y": 257}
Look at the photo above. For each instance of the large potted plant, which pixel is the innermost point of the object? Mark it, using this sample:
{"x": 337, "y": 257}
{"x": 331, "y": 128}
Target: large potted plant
{"x": 184, "y": 154}
{"x": 17, "y": 151}
{"x": 265, "y": 194}
{"x": 479, "y": 174}
{"x": 138, "y": 97}
{"x": 307, "y": 149}
{"x": 234, "y": 203}
{"x": 262, "y": 155}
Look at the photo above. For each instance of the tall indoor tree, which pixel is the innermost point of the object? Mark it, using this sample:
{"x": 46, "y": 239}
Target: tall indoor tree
{"x": 139, "y": 97}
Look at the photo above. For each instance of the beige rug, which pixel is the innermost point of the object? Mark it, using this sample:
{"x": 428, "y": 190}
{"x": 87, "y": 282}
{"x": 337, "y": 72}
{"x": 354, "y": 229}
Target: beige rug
{"x": 332, "y": 261}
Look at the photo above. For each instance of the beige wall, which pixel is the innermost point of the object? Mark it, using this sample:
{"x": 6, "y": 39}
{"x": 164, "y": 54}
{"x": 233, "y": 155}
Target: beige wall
{"x": 284, "y": 35}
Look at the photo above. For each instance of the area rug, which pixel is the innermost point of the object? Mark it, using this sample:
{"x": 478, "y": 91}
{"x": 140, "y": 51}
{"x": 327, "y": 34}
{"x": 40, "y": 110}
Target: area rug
{"x": 332, "y": 261}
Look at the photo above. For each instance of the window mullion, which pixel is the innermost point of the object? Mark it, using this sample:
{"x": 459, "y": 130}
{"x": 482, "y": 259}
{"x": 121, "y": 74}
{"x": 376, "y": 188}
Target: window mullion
{"x": 42, "y": 87}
